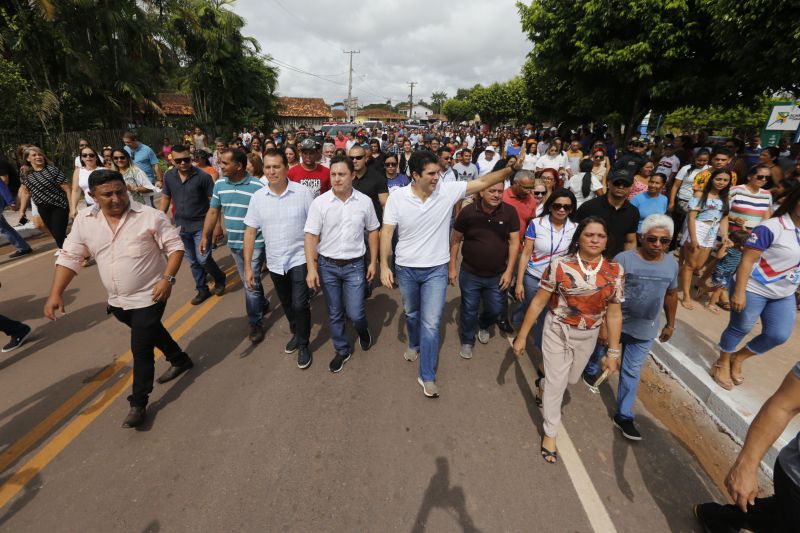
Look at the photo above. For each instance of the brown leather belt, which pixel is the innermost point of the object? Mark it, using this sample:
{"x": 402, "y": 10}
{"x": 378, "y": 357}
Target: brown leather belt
{"x": 342, "y": 262}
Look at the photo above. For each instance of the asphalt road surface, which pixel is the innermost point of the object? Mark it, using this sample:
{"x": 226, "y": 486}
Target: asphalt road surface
{"x": 246, "y": 441}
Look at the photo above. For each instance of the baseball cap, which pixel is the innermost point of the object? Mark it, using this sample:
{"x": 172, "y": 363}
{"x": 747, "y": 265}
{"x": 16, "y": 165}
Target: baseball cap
{"x": 489, "y": 148}
{"x": 308, "y": 144}
{"x": 669, "y": 145}
{"x": 621, "y": 175}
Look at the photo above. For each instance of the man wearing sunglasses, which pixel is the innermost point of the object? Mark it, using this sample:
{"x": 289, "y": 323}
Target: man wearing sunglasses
{"x": 651, "y": 283}
{"x": 191, "y": 189}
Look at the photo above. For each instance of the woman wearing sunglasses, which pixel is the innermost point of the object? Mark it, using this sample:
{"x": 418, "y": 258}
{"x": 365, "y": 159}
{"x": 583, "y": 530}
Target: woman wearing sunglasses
{"x": 750, "y": 202}
{"x": 583, "y": 290}
{"x": 546, "y": 238}
{"x": 136, "y": 180}
{"x": 80, "y": 180}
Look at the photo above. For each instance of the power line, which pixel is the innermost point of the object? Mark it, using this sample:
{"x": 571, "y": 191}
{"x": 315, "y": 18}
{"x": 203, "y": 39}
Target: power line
{"x": 301, "y": 71}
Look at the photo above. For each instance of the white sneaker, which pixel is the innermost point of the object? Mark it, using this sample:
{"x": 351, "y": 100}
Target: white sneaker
{"x": 58, "y": 252}
{"x": 466, "y": 351}
{"x": 483, "y": 336}
{"x": 411, "y": 354}
{"x": 429, "y": 388}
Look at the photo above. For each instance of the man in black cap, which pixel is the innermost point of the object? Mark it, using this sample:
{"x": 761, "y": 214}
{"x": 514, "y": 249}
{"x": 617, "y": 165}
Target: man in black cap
{"x": 621, "y": 217}
{"x": 633, "y": 157}
{"x": 309, "y": 172}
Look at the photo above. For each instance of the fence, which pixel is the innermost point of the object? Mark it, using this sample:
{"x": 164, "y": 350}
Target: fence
{"x": 62, "y": 148}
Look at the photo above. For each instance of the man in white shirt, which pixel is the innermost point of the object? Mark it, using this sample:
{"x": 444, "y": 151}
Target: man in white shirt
{"x": 422, "y": 212}
{"x": 280, "y": 210}
{"x": 487, "y": 160}
{"x": 470, "y": 138}
{"x": 334, "y": 247}
{"x": 669, "y": 164}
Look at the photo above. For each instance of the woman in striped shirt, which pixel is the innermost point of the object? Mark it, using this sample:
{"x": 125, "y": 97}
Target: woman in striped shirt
{"x": 749, "y": 202}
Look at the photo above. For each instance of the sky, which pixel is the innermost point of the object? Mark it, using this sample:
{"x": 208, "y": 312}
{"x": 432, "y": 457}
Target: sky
{"x": 440, "y": 45}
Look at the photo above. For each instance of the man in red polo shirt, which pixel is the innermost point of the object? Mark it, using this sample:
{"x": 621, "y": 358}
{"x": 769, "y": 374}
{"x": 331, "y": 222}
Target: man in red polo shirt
{"x": 309, "y": 172}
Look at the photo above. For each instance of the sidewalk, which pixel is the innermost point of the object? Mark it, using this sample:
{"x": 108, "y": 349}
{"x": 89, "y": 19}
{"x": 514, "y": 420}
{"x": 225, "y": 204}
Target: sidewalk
{"x": 28, "y": 231}
{"x": 690, "y": 354}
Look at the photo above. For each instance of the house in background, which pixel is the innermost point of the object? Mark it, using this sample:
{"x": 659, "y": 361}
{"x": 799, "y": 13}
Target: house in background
{"x": 378, "y": 115}
{"x": 310, "y": 112}
{"x": 339, "y": 115}
{"x": 418, "y": 112}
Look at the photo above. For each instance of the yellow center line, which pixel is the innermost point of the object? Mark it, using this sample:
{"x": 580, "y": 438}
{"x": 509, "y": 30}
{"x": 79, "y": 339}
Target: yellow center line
{"x": 70, "y": 432}
{"x": 15, "y": 451}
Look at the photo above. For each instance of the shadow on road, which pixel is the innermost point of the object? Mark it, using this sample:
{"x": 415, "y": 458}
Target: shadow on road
{"x": 28, "y": 307}
{"x": 440, "y": 495}
{"x": 29, "y": 492}
{"x": 660, "y": 464}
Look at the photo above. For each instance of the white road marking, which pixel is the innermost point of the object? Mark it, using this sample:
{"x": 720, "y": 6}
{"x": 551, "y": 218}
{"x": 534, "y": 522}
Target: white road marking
{"x": 587, "y": 493}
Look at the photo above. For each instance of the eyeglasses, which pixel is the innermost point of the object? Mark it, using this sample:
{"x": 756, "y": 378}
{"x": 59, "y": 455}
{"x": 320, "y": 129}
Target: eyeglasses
{"x": 561, "y": 207}
{"x": 539, "y": 193}
{"x": 88, "y": 155}
{"x": 390, "y": 164}
{"x": 179, "y": 160}
{"x": 356, "y": 157}
{"x": 653, "y": 239}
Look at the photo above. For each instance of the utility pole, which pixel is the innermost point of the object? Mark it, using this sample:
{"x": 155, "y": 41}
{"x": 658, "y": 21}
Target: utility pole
{"x": 411, "y": 98}
{"x": 350, "y": 85}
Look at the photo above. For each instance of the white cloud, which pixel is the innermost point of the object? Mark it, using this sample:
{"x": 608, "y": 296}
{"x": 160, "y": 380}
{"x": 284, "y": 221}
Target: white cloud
{"x": 441, "y": 46}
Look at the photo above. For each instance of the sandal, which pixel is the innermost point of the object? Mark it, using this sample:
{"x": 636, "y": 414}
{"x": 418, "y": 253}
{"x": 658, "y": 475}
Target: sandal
{"x": 549, "y": 456}
{"x": 713, "y": 372}
{"x": 724, "y": 305}
{"x": 538, "y": 394}
{"x": 737, "y": 379}
{"x": 712, "y": 308}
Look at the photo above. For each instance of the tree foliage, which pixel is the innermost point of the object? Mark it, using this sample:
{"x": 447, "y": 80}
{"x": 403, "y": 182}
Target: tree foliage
{"x": 458, "y": 110}
{"x": 438, "y": 98}
{"x": 615, "y": 60}
{"x": 497, "y": 103}
{"x": 102, "y": 64}
{"x": 721, "y": 119}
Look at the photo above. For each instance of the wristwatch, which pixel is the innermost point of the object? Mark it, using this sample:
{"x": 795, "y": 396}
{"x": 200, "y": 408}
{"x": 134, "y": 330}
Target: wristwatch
{"x": 171, "y": 279}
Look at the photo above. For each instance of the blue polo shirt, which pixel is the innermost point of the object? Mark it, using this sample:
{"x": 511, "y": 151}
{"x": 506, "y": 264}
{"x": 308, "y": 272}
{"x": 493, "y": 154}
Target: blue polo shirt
{"x": 144, "y": 157}
{"x": 234, "y": 199}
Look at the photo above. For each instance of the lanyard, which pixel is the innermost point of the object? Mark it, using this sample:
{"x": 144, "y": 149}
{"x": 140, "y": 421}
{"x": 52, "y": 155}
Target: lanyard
{"x": 563, "y": 231}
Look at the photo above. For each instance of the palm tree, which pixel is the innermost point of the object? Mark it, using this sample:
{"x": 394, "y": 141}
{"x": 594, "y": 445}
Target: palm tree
{"x": 438, "y": 98}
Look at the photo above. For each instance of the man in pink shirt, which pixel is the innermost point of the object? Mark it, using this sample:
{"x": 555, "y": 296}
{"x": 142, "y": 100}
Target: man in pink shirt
{"x": 138, "y": 252}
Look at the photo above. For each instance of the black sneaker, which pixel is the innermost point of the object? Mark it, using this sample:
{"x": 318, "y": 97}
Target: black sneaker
{"x": 219, "y": 287}
{"x": 627, "y": 427}
{"x": 589, "y": 379}
{"x": 265, "y": 309}
{"x": 337, "y": 362}
{"x": 256, "y": 333}
{"x": 716, "y": 518}
{"x": 365, "y": 341}
{"x": 304, "y": 358}
{"x": 20, "y": 253}
{"x": 292, "y": 345}
{"x": 504, "y": 326}
{"x": 201, "y": 297}
{"x": 17, "y": 340}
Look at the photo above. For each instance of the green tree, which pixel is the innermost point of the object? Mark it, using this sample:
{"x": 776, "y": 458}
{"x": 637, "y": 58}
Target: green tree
{"x": 458, "y": 110}
{"x": 438, "y": 98}
{"x": 720, "y": 119}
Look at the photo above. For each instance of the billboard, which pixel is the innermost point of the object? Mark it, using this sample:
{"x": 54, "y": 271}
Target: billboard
{"x": 784, "y": 117}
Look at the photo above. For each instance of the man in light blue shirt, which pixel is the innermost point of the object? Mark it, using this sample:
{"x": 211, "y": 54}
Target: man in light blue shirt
{"x": 143, "y": 157}
{"x": 280, "y": 210}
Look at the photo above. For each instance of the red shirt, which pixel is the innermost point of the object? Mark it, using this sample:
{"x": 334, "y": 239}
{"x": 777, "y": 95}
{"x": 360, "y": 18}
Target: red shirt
{"x": 318, "y": 180}
{"x": 526, "y": 209}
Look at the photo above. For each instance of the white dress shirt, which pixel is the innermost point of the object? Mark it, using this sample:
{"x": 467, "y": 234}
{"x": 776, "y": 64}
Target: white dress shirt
{"x": 281, "y": 219}
{"x": 341, "y": 225}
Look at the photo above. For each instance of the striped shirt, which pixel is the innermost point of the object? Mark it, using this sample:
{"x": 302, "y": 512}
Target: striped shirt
{"x": 234, "y": 198}
{"x": 749, "y": 205}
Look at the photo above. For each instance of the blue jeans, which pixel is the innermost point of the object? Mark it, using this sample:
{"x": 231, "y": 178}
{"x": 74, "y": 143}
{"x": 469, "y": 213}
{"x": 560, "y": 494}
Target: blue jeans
{"x": 473, "y": 289}
{"x": 531, "y": 285}
{"x": 12, "y": 235}
{"x": 200, "y": 264}
{"x": 424, "y": 291}
{"x": 344, "y": 288}
{"x": 777, "y": 322}
{"x": 634, "y": 354}
{"x": 254, "y": 298}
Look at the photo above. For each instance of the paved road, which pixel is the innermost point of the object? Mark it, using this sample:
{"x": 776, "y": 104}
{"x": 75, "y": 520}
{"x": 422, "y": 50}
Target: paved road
{"x": 247, "y": 441}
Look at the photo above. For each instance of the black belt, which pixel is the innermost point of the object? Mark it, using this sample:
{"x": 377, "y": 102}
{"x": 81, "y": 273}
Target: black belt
{"x": 342, "y": 262}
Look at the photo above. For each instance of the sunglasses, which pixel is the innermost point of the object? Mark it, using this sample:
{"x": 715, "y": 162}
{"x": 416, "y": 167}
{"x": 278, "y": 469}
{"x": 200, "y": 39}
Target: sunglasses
{"x": 83, "y": 145}
{"x": 179, "y": 160}
{"x": 356, "y": 157}
{"x": 538, "y": 193}
{"x": 390, "y": 164}
{"x": 760, "y": 177}
{"x": 598, "y": 157}
{"x": 663, "y": 240}
{"x": 621, "y": 183}
{"x": 561, "y": 207}
{"x": 120, "y": 158}
{"x": 88, "y": 155}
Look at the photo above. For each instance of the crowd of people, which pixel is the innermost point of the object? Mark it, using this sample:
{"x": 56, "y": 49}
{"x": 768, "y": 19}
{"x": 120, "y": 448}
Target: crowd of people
{"x": 571, "y": 239}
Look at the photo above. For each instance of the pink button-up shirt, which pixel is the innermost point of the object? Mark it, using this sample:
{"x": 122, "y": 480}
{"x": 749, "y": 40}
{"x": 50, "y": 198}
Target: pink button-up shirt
{"x": 131, "y": 260}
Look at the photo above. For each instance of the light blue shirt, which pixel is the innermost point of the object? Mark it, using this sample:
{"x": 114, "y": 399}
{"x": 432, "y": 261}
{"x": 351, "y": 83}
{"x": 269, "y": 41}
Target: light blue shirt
{"x": 281, "y": 219}
{"x": 144, "y": 157}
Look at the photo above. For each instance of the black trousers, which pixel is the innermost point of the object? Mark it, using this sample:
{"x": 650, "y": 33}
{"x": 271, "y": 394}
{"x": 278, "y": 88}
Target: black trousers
{"x": 294, "y": 296}
{"x": 55, "y": 220}
{"x": 147, "y": 333}
{"x": 678, "y": 217}
{"x": 780, "y": 513}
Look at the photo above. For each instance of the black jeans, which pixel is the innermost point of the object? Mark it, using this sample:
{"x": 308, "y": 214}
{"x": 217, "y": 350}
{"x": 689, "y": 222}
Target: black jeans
{"x": 11, "y": 327}
{"x": 293, "y": 294}
{"x": 55, "y": 220}
{"x": 779, "y": 513}
{"x": 678, "y": 217}
{"x": 147, "y": 333}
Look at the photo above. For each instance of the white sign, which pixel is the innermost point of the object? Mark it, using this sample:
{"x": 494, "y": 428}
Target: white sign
{"x": 784, "y": 118}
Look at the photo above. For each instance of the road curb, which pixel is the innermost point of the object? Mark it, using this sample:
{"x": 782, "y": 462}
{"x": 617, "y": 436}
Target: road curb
{"x": 729, "y": 414}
